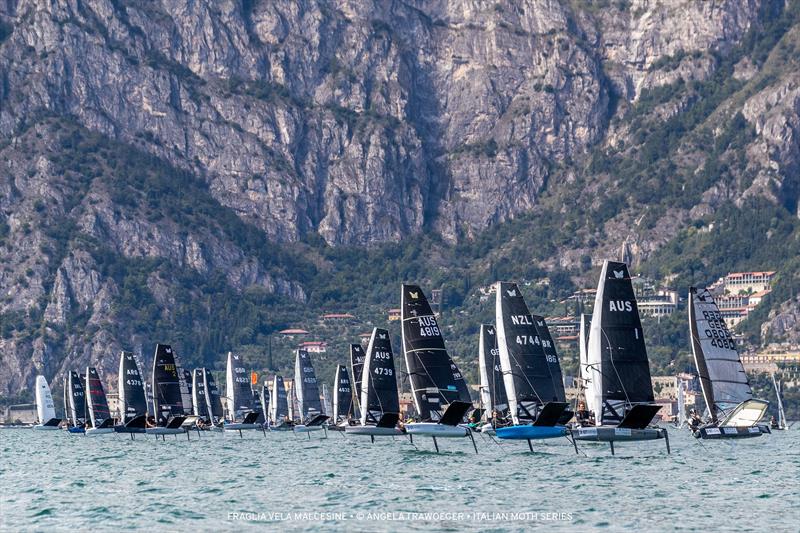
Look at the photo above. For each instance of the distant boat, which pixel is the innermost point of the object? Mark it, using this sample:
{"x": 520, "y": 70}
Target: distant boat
{"x": 733, "y": 411}
{"x": 493, "y": 391}
{"x": 440, "y": 393}
{"x": 380, "y": 399}
{"x": 264, "y": 398}
{"x": 532, "y": 377}
{"x": 357, "y": 357}
{"x": 238, "y": 397}
{"x": 680, "y": 419}
{"x": 185, "y": 381}
{"x": 781, "y": 422}
{"x": 167, "y": 399}
{"x": 279, "y": 405}
{"x": 342, "y": 397}
{"x": 583, "y": 350}
{"x": 45, "y": 408}
{"x": 310, "y": 416}
{"x": 99, "y": 415}
{"x": 619, "y": 389}
{"x": 74, "y": 403}
{"x": 132, "y": 400}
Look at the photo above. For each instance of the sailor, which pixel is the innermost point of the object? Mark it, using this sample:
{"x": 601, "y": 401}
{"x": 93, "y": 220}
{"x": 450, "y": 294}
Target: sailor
{"x": 694, "y": 420}
{"x": 773, "y": 423}
{"x": 150, "y": 422}
{"x": 582, "y": 415}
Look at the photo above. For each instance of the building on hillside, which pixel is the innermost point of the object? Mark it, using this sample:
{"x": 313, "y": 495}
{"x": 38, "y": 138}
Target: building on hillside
{"x": 768, "y": 359}
{"x": 338, "y": 317}
{"x": 406, "y": 405}
{"x": 393, "y": 314}
{"x": 292, "y": 332}
{"x": 560, "y": 326}
{"x": 748, "y": 282}
{"x": 314, "y": 346}
{"x": 661, "y": 302}
{"x": 583, "y": 296}
{"x": 665, "y": 387}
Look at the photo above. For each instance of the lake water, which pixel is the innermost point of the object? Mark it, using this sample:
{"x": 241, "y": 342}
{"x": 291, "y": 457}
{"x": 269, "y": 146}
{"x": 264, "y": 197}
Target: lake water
{"x": 220, "y": 482}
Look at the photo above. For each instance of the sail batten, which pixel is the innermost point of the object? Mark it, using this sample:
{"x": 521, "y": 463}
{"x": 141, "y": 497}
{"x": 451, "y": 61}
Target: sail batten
{"x": 435, "y": 378}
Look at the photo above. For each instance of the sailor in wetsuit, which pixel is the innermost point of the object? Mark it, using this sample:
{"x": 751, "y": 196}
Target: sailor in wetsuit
{"x": 582, "y": 415}
{"x": 694, "y": 420}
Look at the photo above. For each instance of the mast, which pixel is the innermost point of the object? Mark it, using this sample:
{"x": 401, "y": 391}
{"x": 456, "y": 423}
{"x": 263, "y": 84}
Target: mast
{"x": 583, "y": 342}
{"x": 722, "y": 377}
{"x": 379, "y": 394}
{"x": 434, "y": 377}
{"x": 616, "y": 356}
{"x": 528, "y": 377}
{"x": 781, "y": 413}
{"x": 264, "y": 397}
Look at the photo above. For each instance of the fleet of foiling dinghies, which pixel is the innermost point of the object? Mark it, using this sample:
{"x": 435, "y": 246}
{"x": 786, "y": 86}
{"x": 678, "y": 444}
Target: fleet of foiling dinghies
{"x": 167, "y": 399}
{"x": 45, "y": 408}
{"x": 132, "y": 400}
{"x": 310, "y": 412}
{"x": 493, "y": 392}
{"x": 619, "y": 390}
{"x": 734, "y": 413}
{"x": 441, "y": 396}
{"x": 380, "y": 399}
{"x": 532, "y": 378}
{"x": 240, "y": 414}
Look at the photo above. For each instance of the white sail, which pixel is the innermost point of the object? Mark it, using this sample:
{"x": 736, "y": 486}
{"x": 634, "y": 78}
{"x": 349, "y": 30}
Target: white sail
{"x": 298, "y": 386}
{"x": 781, "y": 412}
{"x": 722, "y": 376}
{"x": 592, "y": 370}
{"x": 365, "y": 379}
{"x": 45, "y": 408}
{"x": 681, "y": 403}
{"x": 486, "y": 393}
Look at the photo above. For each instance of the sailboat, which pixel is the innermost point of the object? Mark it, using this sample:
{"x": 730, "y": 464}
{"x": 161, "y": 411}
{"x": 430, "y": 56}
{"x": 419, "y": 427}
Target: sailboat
{"x": 185, "y": 381}
{"x": 238, "y": 397}
{"x": 380, "y": 399}
{"x": 733, "y": 412}
{"x": 439, "y": 390}
{"x": 342, "y": 397}
{"x": 279, "y": 406}
{"x": 532, "y": 378}
{"x": 357, "y": 357}
{"x": 781, "y": 422}
{"x": 493, "y": 391}
{"x": 45, "y": 408}
{"x": 264, "y": 399}
{"x": 132, "y": 401}
{"x": 75, "y": 403}
{"x": 680, "y": 419}
{"x": 167, "y": 401}
{"x": 310, "y": 411}
{"x": 619, "y": 390}
{"x": 99, "y": 415}
{"x": 207, "y": 394}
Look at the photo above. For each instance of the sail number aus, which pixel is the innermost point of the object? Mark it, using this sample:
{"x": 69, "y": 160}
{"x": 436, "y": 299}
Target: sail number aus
{"x": 620, "y": 305}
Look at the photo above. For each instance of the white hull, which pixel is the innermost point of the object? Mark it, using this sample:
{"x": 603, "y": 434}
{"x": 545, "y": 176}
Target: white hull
{"x": 40, "y": 427}
{"x": 373, "y": 431}
{"x": 487, "y": 429}
{"x": 93, "y": 432}
{"x": 433, "y": 429}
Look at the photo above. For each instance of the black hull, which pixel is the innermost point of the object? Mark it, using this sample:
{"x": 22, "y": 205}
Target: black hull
{"x": 716, "y": 433}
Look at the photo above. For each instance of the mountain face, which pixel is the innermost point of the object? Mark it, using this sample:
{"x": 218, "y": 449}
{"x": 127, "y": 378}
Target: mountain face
{"x": 169, "y": 166}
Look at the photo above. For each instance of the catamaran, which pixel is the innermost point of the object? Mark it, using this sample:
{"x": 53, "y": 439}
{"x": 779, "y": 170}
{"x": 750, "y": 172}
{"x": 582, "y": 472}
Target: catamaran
{"x": 493, "y": 391}
{"x": 357, "y": 357}
{"x": 167, "y": 400}
{"x": 239, "y": 397}
{"x": 780, "y": 423}
{"x": 45, "y": 408}
{"x": 733, "y": 411}
{"x": 75, "y": 403}
{"x": 532, "y": 378}
{"x": 380, "y": 399}
{"x": 279, "y": 406}
{"x": 132, "y": 400}
{"x": 99, "y": 415}
{"x": 619, "y": 389}
{"x": 310, "y": 413}
{"x": 440, "y": 393}
{"x": 342, "y": 397}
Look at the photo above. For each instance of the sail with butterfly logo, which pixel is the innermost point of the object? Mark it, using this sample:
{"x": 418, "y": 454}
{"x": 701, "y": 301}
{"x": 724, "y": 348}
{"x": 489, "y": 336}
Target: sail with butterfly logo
{"x": 342, "y": 395}
{"x": 436, "y": 381}
{"x": 357, "y": 357}
{"x": 306, "y": 386}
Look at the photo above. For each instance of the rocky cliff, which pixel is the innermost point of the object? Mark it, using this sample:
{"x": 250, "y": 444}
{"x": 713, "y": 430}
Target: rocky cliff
{"x": 148, "y": 147}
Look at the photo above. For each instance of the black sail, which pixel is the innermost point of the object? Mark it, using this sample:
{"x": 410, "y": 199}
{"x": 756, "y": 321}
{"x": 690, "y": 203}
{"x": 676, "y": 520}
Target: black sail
{"x": 306, "y": 386}
{"x": 238, "y": 393}
{"x": 493, "y": 390}
{"x": 213, "y": 400}
{"x": 343, "y": 394}
{"x": 527, "y": 375}
{"x": 617, "y": 356}
{"x": 199, "y": 393}
{"x": 186, "y": 390}
{"x": 264, "y": 398}
{"x": 357, "y": 357}
{"x": 279, "y": 409}
{"x": 167, "y": 400}
{"x": 132, "y": 401}
{"x": 435, "y": 379}
{"x": 379, "y": 394}
{"x": 98, "y": 405}
{"x": 76, "y": 399}
{"x": 551, "y": 356}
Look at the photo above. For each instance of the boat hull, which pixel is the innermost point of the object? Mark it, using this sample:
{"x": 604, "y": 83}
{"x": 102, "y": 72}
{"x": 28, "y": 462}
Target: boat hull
{"x": 94, "y": 432}
{"x": 727, "y": 432}
{"x": 126, "y": 429}
{"x": 301, "y": 428}
{"x": 615, "y": 434}
{"x": 433, "y": 429}
{"x": 76, "y": 430}
{"x": 373, "y": 431}
{"x": 240, "y": 427}
{"x": 528, "y": 432}
{"x": 488, "y": 429}
{"x": 165, "y": 431}
{"x": 40, "y": 427}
